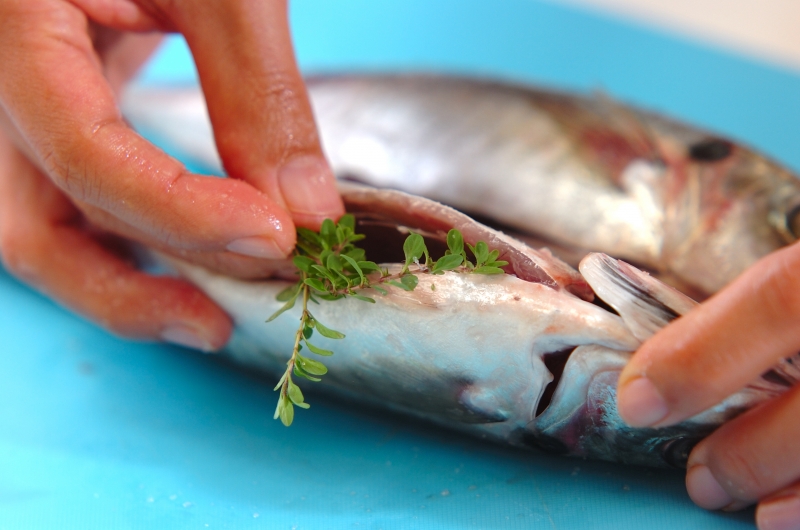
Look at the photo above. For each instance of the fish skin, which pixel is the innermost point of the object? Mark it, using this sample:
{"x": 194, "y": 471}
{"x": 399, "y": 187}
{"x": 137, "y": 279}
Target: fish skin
{"x": 471, "y": 354}
{"x": 683, "y": 203}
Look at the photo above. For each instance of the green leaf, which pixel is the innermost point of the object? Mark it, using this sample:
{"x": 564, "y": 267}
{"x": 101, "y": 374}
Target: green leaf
{"x": 368, "y": 266}
{"x": 331, "y": 297}
{"x": 413, "y": 248}
{"x": 380, "y": 290}
{"x": 283, "y": 378}
{"x": 348, "y": 220}
{"x": 325, "y": 273}
{"x": 410, "y": 281}
{"x": 287, "y": 306}
{"x": 294, "y": 393}
{"x": 316, "y": 284}
{"x": 493, "y": 255}
{"x": 481, "y": 252}
{"x": 318, "y": 350}
{"x": 307, "y": 332}
{"x": 363, "y": 298}
{"x": 328, "y": 233}
{"x": 455, "y": 241}
{"x": 298, "y": 371}
{"x": 327, "y": 332}
{"x": 355, "y": 267}
{"x": 286, "y": 412}
{"x": 311, "y": 366}
{"x": 486, "y": 269}
{"x": 334, "y": 263}
{"x": 357, "y": 254}
{"x": 498, "y": 263}
{"x": 303, "y": 263}
{"x": 400, "y": 285}
{"x": 447, "y": 263}
{"x": 288, "y": 293}
{"x": 310, "y": 236}
{"x": 433, "y": 286}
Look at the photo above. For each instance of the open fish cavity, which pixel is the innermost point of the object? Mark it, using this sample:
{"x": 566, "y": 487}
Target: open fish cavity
{"x": 526, "y": 358}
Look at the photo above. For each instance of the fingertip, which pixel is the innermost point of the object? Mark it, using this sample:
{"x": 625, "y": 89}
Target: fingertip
{"x": 704, "y": 489}
{"x": 309, "y": 190}
{"x": 640, "y": 404}
{"x": 188, "y": 336}
{"x": 782, "y": 513}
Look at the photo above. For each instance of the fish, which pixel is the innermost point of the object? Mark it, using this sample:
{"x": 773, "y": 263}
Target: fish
{"x": 576, "y": 173}
{"x": 528, "y": 358}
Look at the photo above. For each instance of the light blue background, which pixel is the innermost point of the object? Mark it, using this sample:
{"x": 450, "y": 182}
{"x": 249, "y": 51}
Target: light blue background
{"x": 98, "y": 432}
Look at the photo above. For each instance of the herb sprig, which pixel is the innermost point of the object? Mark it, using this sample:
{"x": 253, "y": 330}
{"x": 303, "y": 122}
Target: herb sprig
{"x": 332, "y": 267}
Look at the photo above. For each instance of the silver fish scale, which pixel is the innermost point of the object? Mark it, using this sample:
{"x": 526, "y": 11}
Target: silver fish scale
{"x": 454, "y": 142}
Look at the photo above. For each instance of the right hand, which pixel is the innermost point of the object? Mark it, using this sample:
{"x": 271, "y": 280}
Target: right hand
{"x": 69, "y": 164}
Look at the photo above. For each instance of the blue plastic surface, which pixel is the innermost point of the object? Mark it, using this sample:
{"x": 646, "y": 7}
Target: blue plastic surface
{"x": 98, "y": 432}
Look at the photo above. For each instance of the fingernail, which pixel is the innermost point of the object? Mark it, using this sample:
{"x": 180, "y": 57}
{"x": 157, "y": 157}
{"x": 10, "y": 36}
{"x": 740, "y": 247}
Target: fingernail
{"x": 779, "y": 514}
{"x": 257, "y": 247}
{"x": 640, "y": 404}
{"x": 704, "y": 489}
{"x": 309, "y": 188}
{"x": 183, "y": 335}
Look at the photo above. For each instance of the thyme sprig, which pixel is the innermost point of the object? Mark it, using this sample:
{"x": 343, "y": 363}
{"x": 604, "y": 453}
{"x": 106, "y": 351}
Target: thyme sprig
{"x": 332, "y": 267}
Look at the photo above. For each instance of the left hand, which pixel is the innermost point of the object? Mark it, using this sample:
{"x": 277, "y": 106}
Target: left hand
{"x": 710, "y": 353}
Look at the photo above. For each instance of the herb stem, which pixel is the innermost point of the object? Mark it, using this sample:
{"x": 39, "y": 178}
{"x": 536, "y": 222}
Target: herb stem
{"x": 304, "y": 316}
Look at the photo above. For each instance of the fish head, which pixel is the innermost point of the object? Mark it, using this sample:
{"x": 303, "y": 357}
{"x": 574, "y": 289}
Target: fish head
{"x": 582, "y": 418}
{"x": 725, "y": 208}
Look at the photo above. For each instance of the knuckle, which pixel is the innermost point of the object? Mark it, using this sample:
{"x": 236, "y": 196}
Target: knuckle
{"x": 72, "y": 162}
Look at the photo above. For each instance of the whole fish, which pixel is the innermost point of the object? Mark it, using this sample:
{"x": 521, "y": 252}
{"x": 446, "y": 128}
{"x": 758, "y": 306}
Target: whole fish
{"x": 524, "y": 358}
{"x": 581, "y": 173}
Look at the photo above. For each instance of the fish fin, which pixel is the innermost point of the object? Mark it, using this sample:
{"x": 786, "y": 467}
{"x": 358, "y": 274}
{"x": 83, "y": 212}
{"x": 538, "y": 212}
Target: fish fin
{"x": 644, "y": 303}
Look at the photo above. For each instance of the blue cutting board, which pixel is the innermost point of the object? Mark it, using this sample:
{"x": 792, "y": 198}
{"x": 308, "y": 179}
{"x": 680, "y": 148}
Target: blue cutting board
{"x": 98, "y": 432}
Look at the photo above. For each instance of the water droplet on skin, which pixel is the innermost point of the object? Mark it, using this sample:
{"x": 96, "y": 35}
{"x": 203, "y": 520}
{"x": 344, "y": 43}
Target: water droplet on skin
{"x": 150, "y": 499}
{"x": 445, "y": 493}
{"x": 255, "y": 515}
{"x": 187, "y": 504}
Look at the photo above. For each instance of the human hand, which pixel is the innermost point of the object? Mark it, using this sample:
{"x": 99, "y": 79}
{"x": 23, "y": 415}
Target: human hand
{"x": 710, "y": 353}
{"x": 71, "y": 169}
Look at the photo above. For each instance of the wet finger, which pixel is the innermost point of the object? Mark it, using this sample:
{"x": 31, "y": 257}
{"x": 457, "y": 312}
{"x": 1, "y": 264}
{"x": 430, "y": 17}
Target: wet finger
{"x": 258, "y": 103}
{"x": 64, "y": 110}
{"x": 224, "y": 262}
{"x": 748, "y": 458}
{"x": 718, "y": 347}
{"x": 41, "y": 243}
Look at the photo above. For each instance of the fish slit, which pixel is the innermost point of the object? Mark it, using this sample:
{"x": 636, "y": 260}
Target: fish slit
{"x": 554, "y": 362}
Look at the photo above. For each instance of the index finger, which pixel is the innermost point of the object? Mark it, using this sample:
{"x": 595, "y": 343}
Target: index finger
{"x": 258, "y": 103}
{"x": 55, "y": 95}
{"x": 718, "y": 347}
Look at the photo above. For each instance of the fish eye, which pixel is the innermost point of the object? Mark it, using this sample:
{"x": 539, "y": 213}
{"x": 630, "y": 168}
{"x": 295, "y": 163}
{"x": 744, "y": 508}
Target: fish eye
{"x": 710, "y": 150}
{"x": 786, "y": 224}
{"x": 793, "y": 222}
